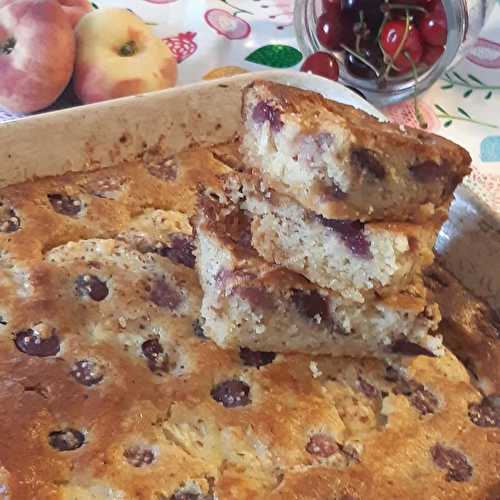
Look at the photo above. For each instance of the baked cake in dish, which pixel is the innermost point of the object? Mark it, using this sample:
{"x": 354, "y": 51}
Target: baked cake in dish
{"x": 350, "y": 257}
{"x": 343, "y": 163}
{"x": 250, "y": 303}
{"x": 110, "y": 389}
{"x": 470, "y": 328}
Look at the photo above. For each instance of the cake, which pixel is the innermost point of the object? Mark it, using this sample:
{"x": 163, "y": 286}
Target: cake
{"x": 470, "y": 328}
{"x": 349, "y": 257}
{"x": 248, "y": 302}
{"x": 343, "y": 163}
{"x": 111, "y": 389}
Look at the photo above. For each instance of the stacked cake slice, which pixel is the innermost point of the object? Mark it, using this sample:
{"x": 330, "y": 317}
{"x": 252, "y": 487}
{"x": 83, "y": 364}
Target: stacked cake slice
{"x": 320, "y": 242}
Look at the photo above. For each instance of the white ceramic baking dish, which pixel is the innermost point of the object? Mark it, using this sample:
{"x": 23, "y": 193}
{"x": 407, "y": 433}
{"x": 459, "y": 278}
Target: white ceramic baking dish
{"x": 100, "y": 135}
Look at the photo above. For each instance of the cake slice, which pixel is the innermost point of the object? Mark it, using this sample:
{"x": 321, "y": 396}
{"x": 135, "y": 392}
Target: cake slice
{"x": 350, "y": 257}
{"x": 343, "y": 163}
{"x": 251, "y": 303}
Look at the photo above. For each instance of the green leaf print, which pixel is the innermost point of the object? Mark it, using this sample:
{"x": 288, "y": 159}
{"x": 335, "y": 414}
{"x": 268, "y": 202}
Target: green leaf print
{"x": 470, "y": 84}
{"x": 461, "y": 115}
{"x": 275, "y": 56}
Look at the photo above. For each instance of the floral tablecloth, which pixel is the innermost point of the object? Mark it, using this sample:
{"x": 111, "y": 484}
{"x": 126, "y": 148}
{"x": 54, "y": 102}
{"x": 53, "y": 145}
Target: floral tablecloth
{"x": 258, "y": 34}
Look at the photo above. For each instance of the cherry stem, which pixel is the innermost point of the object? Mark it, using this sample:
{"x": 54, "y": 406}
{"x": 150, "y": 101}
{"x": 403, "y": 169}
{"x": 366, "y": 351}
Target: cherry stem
{"x": 362, "y": 59}
{"x": 420, "y": 119}
{"x": 400, "y": 48}
{"x": 358, "y": 36}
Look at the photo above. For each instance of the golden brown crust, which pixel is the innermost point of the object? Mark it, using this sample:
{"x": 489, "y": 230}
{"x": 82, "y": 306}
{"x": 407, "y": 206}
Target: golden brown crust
{"x": 470, "y": 328}
{"x": 253, "y": 451}
{"x": 395, "y": 172}
{"x": 369, "y": 130}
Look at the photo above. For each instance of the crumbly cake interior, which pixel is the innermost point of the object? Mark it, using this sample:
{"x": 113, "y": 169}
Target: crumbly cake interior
{"x": 348, "y": 257}
{"x": 251, "y": 303}
{"x": 110, "y": 389}
{"x": 343, "y": 163}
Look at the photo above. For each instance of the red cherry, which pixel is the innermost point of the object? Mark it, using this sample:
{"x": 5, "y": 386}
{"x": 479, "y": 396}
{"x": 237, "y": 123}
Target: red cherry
{"x": 331, "y": 6}
{"x": 392, "y": 37}
{"x": 434, "y": 28}
{"x": 322, "y": 64}
{"x": 432, "y": 54}
{"x": 434, "y": 5}
{"x": 329, "y": 31}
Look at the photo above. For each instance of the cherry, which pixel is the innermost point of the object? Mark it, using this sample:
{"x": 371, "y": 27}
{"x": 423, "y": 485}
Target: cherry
{"x": 372, "y": 14}
{"x": 434, "y": 28}
{"x": 329, "y": 31}
{"x": 331, "y": 6}
{"x": 392, "y": 37}
{"x": 432, "y": 54}
{"x": 322, "y": 64}
{"x": 369, "y": 51}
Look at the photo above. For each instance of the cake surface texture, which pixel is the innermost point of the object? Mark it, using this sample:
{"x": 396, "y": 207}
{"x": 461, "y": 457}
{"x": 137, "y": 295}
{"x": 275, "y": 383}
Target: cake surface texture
{"x": 343, "y": 163}
{"x": 111, "y": 389}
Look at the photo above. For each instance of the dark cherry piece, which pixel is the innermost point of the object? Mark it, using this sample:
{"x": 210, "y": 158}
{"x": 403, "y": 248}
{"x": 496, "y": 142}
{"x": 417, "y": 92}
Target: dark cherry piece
{"x": 87, "y": 372}
{"x": 453, "y": 461}
{"x": 370, "y": 51}
{"x": 66, "y": 439}
{"x": 231, "y": 393}
{"x": 372, "y": 14}
{"x": 424, "y": 401}
{"x": 165, "y": 171}
{"x": 65, "y": 205}
{"x": 158, "y": 361}
{"x": 9, "y": 221}
{"x": 421, "y": 398}
{"x": 89, "y": 285}
{"x": 484, "y": 414}
{"x": 391, "y": 374}
{"x": 198, "y": 330}
{"x": 180, "y": 250}
{"x": 263, "y": 112}
{"x": 256, "y": 358}
{"x": 258, "y": 298}
{"x": 238, "y": 227}
{"x": 365, "y": 160}
{"x": 427, "y": 171}
{"x": 369, "y": 390}
{"x": 322, "y": 64}
{"x": 351, "y": 233}
{"x": 139, "y": 456}
{"x": 36, "y": 343}
{"x": 163, "y": 295}
{"x": 408, "y": 348}
{"x": 322, "y": 445}
{"x": 311, "y": 305}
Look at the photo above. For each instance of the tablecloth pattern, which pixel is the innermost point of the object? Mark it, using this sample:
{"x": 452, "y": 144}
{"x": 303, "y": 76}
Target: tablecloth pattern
{"x": 257, "y": 34}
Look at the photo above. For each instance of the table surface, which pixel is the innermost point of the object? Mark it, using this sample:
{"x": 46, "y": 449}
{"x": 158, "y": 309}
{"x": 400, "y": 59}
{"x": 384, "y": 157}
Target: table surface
{"x": 258, "y": 34}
